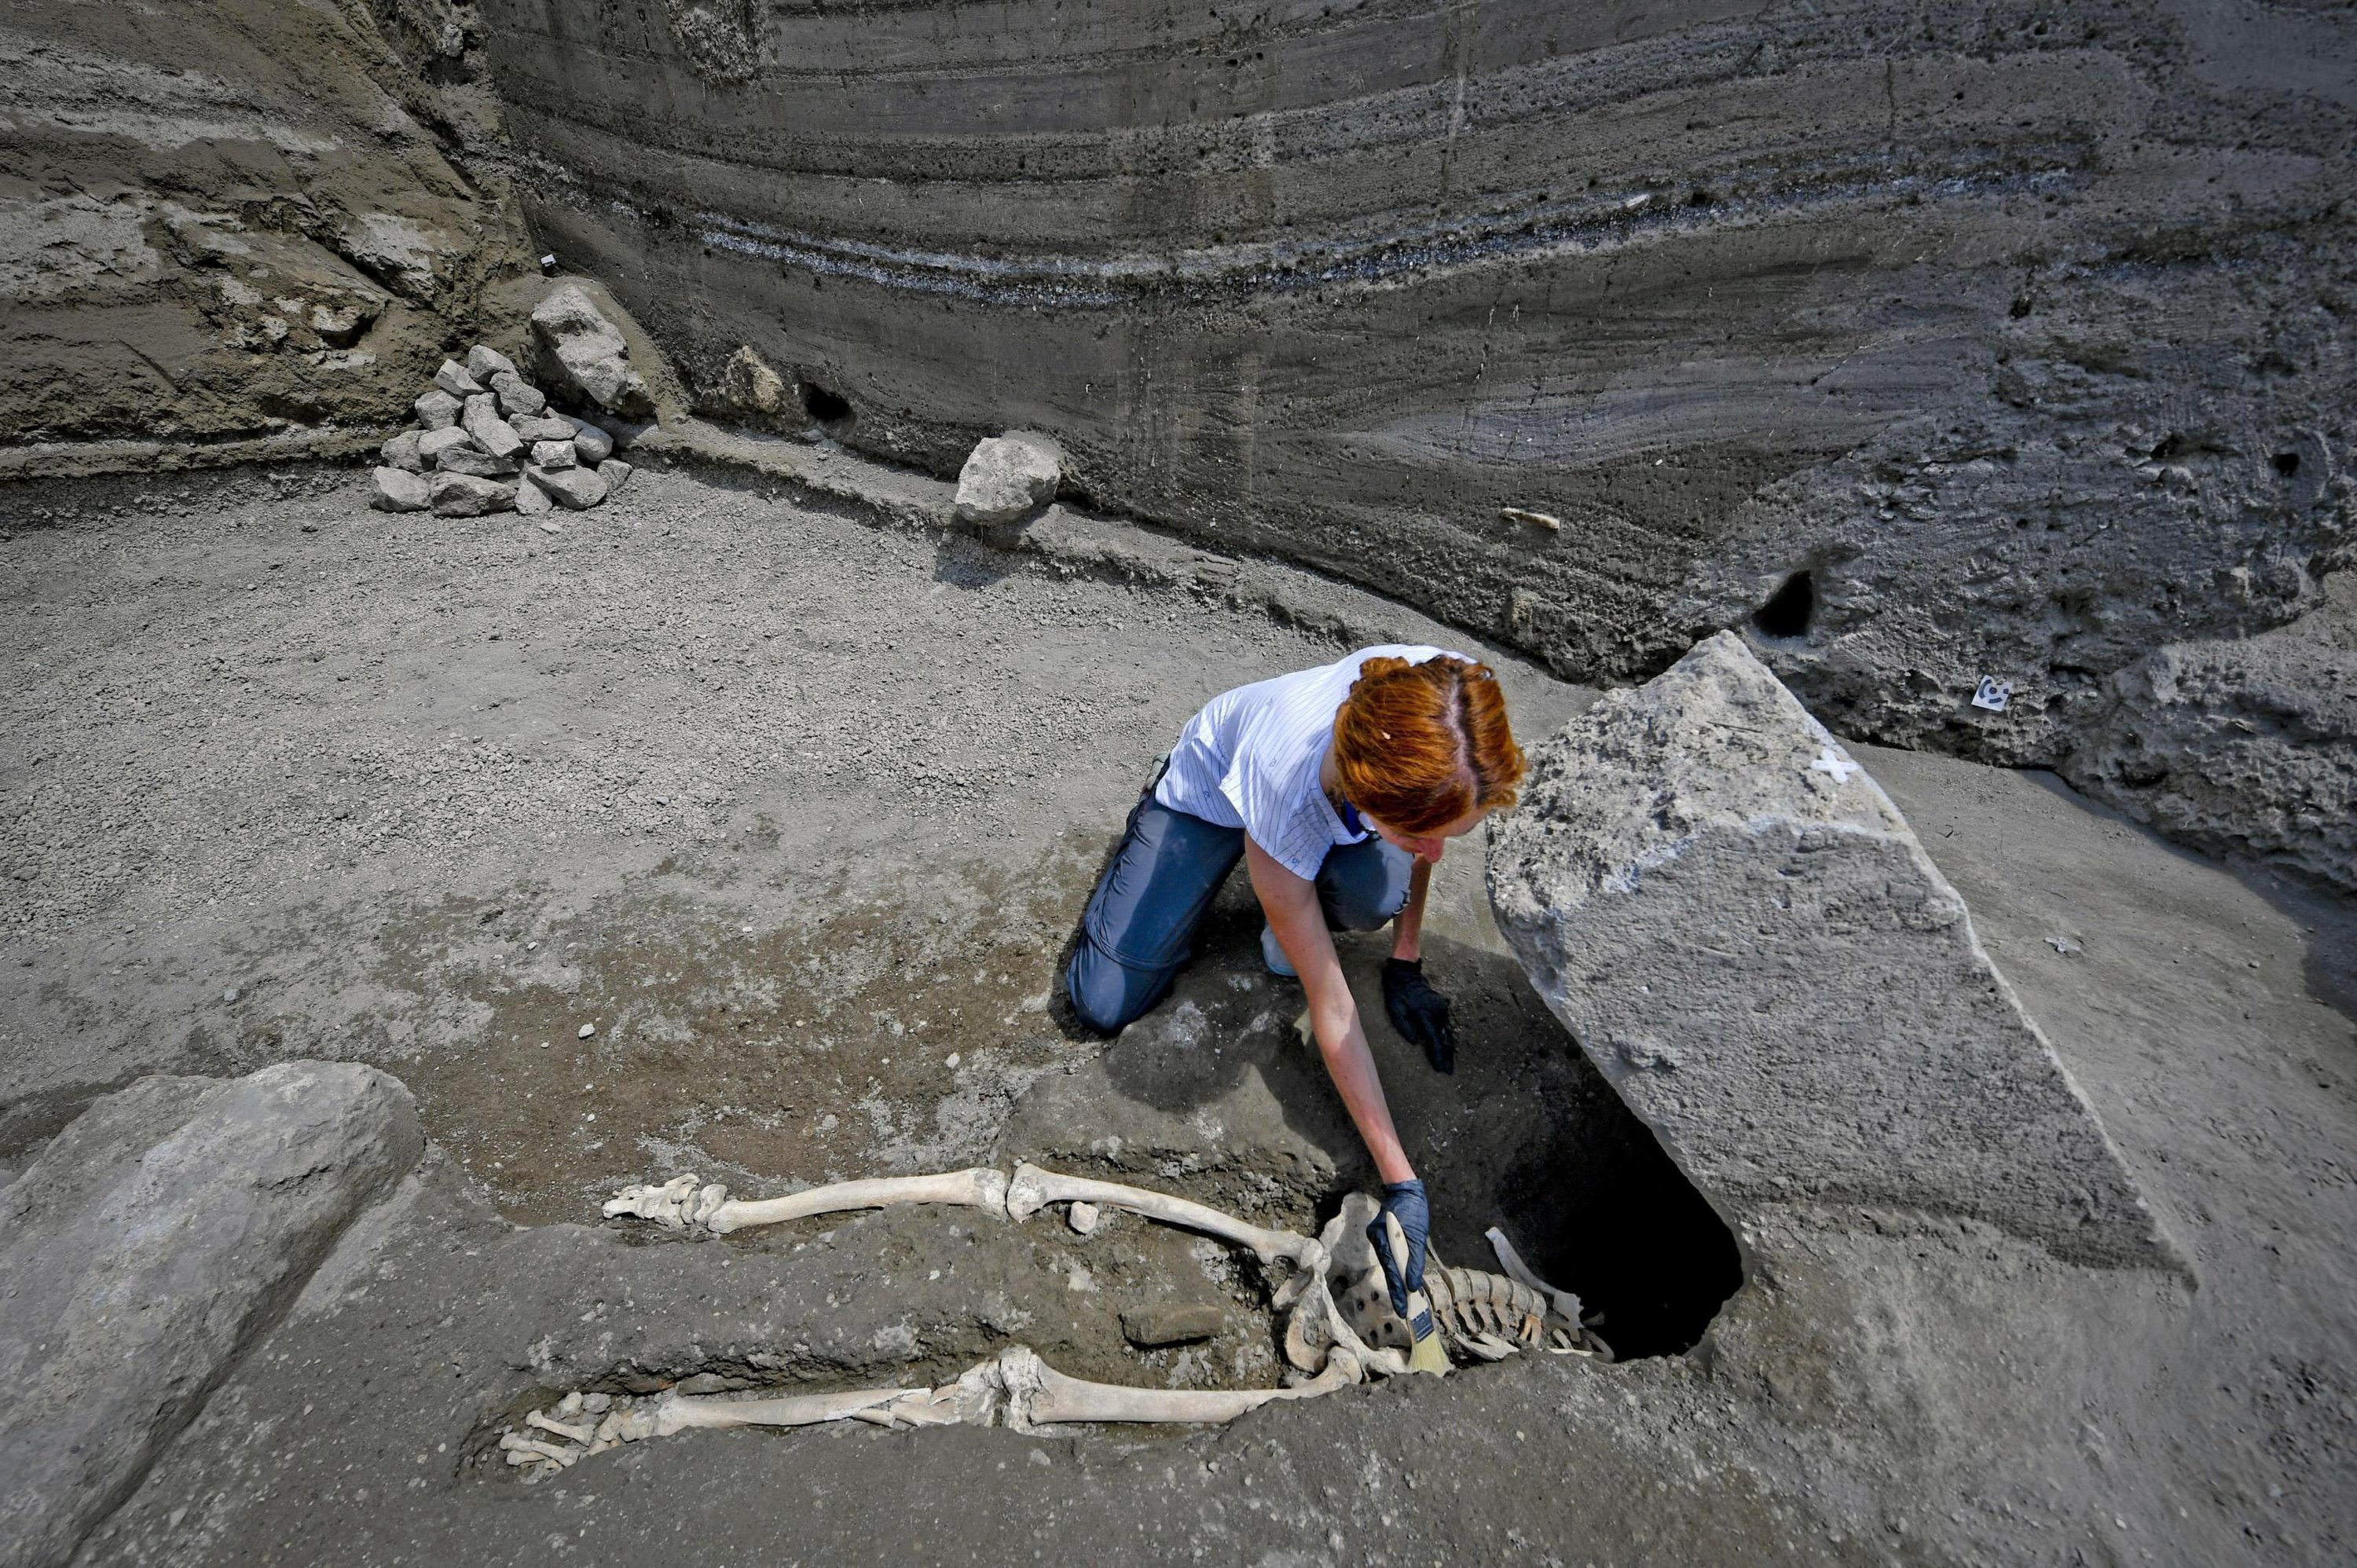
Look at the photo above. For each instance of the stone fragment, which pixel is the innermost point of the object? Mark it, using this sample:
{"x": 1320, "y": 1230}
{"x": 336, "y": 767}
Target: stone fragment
{"x": 535, "y": 428}
{"x": 531, "y": 501}
{"x": 434, "y": 443}
{"x": 1742, "y": 932}
{"x": 491, "y": 433}
{"x": 400, "y": 490}
{"x": 341, "y": 326}
{"x": 2242, "y": 744}
{"x": 144, "y": 1252}
{"x": 576, "y": 488}
{"x": 466, "y": 457}
{"x": 517, "y": 395}
{"x": 617, "y": 473}
{"x": 1083, "y": 1217}
{"x": 591, "y": 443}
{"x": 401, "y": 452}
{"x": 584, "y": 353}
{"x": 551, "y": 454}
{"x": 452, "y": 378}
{"x": 485, "y": 364}
{"x": 436, "y": 410}
{"x": 1170, "y": 1325}
{"x": 1005, "y": 478}
{"x": 750, "y": 385}
{"x": 469, "y": 495}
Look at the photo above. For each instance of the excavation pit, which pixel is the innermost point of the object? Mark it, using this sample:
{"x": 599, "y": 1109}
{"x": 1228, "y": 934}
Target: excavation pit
{"x": 720, "y": 835}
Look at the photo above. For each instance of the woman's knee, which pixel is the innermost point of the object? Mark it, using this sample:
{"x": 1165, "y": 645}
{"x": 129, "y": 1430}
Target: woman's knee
{"x": 1363, "y": 886}
{"x": 1106, "y": 995}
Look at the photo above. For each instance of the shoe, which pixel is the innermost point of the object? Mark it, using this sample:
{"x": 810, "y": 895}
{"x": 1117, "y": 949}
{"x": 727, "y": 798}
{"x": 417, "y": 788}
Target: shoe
{"x": 1273, "y": 956}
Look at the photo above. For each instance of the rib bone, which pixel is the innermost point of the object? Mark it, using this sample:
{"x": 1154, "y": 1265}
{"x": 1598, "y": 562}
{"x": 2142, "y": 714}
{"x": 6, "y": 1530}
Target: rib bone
{"x": 1033, "y": 1189}
{"x": 1511, "y": 1264}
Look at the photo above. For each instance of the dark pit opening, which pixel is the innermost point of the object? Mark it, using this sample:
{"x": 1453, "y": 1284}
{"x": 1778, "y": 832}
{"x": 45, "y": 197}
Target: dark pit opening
{"x": 1527, "y": 1135}
{"x": 1790, "y": 609}
{"x": 825, "y": 407}
{"x": 2287, "y": 463}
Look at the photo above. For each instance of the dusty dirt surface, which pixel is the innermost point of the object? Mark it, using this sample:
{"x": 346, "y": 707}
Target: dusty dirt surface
{"x": 786, "y": 809}
{"x": 704, "y": 828}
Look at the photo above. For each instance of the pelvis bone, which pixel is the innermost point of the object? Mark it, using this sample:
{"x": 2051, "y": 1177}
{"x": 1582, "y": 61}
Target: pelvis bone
{"x": 1340, "y": 1327}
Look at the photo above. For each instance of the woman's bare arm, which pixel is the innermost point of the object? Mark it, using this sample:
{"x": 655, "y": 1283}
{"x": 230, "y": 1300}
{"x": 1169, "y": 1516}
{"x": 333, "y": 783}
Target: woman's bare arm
{"x": 1407, "y": 930}
{"x": 1290, "y": 903}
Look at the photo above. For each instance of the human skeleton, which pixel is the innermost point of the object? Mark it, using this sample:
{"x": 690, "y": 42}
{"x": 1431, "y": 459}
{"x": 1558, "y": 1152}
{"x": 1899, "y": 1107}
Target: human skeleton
{"x": 1339, "y": 1327}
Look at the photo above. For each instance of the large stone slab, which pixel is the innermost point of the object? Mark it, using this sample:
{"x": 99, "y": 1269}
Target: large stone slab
{"x": 146, "y": 1248}
{"x": 1745, "y": 936}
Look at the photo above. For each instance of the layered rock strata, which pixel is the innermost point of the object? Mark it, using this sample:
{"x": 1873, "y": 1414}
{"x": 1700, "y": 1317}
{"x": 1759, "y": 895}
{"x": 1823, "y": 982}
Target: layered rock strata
{"x": 232, "y": 227}
{"x": 1977, "y": 340}
{"x": 1745, "y": 937}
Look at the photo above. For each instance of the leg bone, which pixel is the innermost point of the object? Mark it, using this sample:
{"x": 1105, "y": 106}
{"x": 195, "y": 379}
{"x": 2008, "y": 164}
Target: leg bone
{"x": 679, "y": 1203}
{"x": 1033, "y": 1189}
{"x": 1048, "y": 1397}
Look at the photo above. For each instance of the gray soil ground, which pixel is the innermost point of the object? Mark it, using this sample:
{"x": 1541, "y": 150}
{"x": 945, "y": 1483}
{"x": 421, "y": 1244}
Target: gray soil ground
{"x": 797, "y": 813}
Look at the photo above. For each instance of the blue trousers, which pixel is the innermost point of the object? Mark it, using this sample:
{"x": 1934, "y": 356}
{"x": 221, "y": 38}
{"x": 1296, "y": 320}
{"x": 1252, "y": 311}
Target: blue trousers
{"x": 1139, "y": 929}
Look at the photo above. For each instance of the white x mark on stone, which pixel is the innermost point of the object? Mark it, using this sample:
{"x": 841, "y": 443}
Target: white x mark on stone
{"x": 1833, "y": 765}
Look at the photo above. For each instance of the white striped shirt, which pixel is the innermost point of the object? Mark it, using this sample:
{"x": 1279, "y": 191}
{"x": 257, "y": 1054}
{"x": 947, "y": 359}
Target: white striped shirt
{"x": 1251, "y": 759}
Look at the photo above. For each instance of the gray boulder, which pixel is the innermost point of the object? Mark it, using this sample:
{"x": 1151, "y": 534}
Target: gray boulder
{"x": 536, "y": 427}
{"x": 434, "y": 443}
{"x": 452, "y": 378}
{"x": 469, "y": 495}
{"x": 616, "y": 473}
{"x": 150, "y": 1244}
{"x": 436, "y": 410}
{"x": 1006, "y": 478}
{"x": 531, "y": 501}
{"x": 491, "y": 433}
{"x": 466, "y": 457}
{"x": 551, "y": 454}
{"x": 399, "y": 489}
{"x": 1746, "y": 937}
{"x": 583, "y": 353}
{"x": 517, "y": 395}
{"x": 486, "y": 363}
{"x": 576, "y": 488}
{"x": 401, "y": 452}
{"x": 591, "y": 443}
{"x": 751, "y": 384}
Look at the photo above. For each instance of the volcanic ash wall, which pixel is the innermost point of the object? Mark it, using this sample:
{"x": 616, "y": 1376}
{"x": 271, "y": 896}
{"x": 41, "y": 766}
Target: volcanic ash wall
{"x": 2020, "y": 331}
{"x": 235, "y": 228}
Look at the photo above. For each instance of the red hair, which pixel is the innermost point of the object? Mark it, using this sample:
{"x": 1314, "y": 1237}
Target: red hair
{"x": 1421, "y": 745}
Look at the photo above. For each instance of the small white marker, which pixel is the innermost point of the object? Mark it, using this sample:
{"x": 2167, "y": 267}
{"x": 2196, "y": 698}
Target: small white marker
{"x": 1833, "y": 765}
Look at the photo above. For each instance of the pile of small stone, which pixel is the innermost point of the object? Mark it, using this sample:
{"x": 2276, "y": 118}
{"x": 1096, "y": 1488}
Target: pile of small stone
{"x": 489, "y": 442}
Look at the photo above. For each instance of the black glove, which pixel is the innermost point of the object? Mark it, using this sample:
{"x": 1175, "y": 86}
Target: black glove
{"x": 1419, "y": 1013}
{"x": 1405, "y": 1201}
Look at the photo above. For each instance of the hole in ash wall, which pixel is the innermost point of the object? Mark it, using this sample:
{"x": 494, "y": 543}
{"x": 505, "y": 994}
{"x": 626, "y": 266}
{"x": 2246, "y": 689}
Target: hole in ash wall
{"x": 1790, "y": 610}
{"x": 825, "y": 407}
